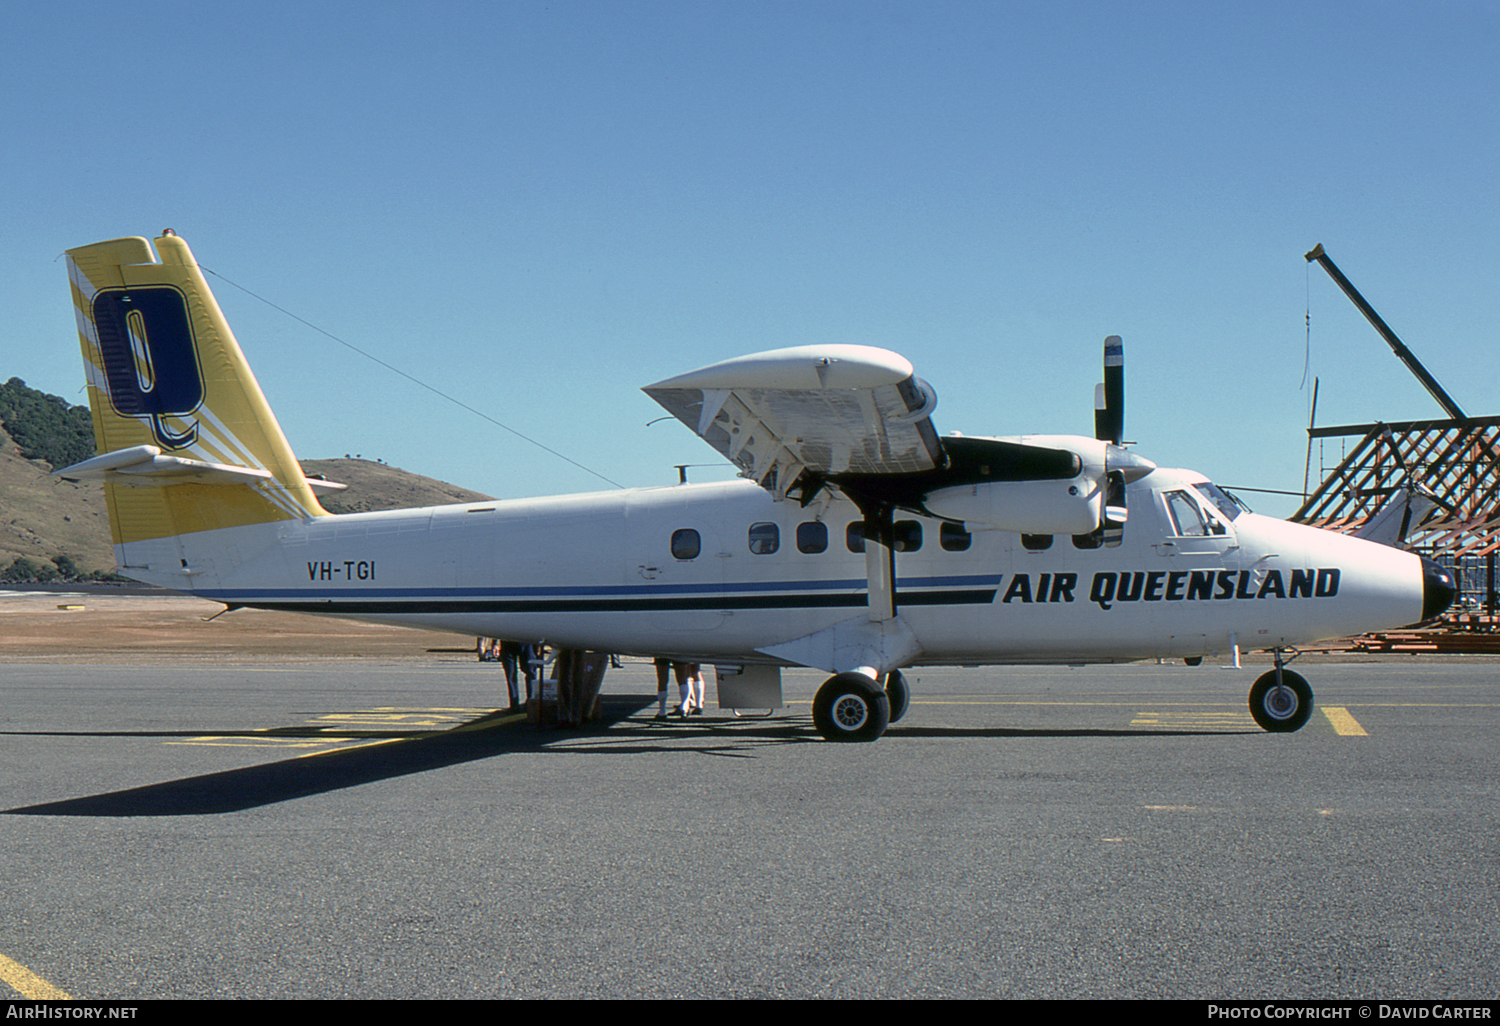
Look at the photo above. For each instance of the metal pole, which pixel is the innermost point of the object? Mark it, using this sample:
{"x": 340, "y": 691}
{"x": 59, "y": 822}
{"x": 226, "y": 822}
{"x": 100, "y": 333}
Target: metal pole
{"x": 1397, "y": 346}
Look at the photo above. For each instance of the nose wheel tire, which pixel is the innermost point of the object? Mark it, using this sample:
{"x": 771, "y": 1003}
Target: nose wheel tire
{"x": 851, "y": 707}
{"x": 1284, "y": 707}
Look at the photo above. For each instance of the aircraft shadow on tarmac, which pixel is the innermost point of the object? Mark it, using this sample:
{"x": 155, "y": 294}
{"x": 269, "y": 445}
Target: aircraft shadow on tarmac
{"x": 404, "y": 752}
{"x": 408, "y": 752}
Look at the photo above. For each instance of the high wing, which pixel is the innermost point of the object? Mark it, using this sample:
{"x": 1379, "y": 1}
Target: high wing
{"x": 857, "y": 418}
{"x": 831, "y": 410}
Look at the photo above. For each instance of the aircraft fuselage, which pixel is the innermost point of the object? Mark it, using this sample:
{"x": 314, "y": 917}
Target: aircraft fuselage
{"x": 721, "y": 572}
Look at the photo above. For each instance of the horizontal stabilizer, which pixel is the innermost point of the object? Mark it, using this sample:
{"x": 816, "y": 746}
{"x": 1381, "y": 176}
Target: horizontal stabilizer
{"x": 145, "y": 466}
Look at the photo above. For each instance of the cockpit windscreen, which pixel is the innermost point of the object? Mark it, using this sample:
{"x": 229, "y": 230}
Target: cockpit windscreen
{"x": 1226, "y": 503}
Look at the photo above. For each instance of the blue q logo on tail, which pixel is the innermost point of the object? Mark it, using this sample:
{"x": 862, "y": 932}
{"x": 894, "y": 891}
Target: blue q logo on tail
{"x": 151, "y": 370}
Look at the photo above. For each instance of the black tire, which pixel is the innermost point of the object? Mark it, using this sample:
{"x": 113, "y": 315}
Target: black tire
{"x": 1193, "y": 661}
{"x": 1281, "y": 710}
{"x": 897, "y": 694}
{"x": 850, "y": 707}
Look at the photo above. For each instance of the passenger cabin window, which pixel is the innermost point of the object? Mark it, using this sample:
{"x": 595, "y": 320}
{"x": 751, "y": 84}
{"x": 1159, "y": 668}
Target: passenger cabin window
{"x": 812, "y": 537}
{"x": 907, "y": 536}
{"x": 764, "y": 539}
{"x": 686, "y": 544}
{"x": 954, "y": 538}
{"x": 1036, "y": 542}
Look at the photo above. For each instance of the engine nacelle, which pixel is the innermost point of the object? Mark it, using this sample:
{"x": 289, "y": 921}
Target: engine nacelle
{"x": 1072, "y": 505}
{"x": 1027, "y": 507}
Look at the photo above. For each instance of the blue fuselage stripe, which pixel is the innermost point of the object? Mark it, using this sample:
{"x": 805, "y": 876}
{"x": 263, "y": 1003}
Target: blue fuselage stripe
{"x": 744, "y": 593}
{"x": 959, "y": 590}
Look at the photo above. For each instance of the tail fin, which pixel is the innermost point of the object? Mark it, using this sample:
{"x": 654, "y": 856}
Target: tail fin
{"x": 186, "y": 440}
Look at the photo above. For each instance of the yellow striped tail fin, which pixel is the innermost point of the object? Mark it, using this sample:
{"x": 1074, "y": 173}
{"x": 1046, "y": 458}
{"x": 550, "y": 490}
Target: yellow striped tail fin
{"x": 186, "y": 439}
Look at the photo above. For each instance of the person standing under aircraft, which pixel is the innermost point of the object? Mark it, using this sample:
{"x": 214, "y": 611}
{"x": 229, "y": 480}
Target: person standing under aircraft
{"x": 663, "y": 675}
{"x": 689, "y": 700}
{"x": 687, "y": 674}
{"x": 514, "y": 655}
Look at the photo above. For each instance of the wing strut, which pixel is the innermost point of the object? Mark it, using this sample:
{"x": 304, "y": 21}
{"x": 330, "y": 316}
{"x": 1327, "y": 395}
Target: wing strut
{"x": 880, "y": 561}
{"x": 877, "y": 642}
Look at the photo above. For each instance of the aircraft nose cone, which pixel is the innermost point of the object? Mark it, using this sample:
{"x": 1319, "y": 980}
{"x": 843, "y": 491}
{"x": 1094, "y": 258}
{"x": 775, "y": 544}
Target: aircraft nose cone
{"x": 1439, "y": 587}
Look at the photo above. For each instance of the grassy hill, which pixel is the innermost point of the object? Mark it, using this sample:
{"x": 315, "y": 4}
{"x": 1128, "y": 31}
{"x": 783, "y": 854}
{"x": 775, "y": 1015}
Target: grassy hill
{"x": 376, "y": 486}
{"x": 44, "y": 517}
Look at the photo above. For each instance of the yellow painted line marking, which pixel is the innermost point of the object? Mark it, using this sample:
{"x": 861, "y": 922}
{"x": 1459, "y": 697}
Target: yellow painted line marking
{"x": 1432, "y": 705}
{"x": 1202, "y": 718}
{"x": 383, "y": 720}
{"x": 350, "y": 748}
{"x": 28, "y": 984}
{"x": 499, "y": 721}
{"x": 464, "y": 710}
{"x": 392, "y": 716}
{"x": 212, "y": 741}
{"x": 387, "y": 717}
{"x": 1343, "y": 723}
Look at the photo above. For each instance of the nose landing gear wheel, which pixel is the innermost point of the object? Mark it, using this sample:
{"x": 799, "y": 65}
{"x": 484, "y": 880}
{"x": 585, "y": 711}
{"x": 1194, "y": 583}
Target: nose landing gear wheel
{"x": 1284, "y": 707}
{"x": 850, "y": 707}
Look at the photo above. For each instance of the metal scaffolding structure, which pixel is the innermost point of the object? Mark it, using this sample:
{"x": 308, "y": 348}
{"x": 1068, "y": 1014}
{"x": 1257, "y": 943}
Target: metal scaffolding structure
{"x": 1455, "y": 461}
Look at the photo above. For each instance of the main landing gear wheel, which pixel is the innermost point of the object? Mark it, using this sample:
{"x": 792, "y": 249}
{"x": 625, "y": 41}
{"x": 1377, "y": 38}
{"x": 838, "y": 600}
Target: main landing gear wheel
{"x": 1281, "y": 708}
{"x": 851, "y": 707}
{"x": 897, "y": 693}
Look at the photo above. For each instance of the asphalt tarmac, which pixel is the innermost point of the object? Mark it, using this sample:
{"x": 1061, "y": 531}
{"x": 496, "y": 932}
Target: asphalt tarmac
{"x": 364, "y": 826}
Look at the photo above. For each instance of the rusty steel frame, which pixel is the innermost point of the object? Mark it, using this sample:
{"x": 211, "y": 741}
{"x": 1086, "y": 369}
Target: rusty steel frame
{"x": 1456, "y": 460}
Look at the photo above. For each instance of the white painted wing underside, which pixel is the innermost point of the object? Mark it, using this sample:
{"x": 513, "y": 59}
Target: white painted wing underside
{"x": 829, "y": 409}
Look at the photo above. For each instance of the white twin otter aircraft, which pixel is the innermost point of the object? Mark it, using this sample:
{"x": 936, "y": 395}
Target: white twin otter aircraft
{"x": 858, "y": 541}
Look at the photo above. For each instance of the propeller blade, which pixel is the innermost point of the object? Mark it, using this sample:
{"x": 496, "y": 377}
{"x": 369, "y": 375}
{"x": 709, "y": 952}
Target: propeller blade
{"x": 1109, "y": 398}
{"x": 1121, "y": 466}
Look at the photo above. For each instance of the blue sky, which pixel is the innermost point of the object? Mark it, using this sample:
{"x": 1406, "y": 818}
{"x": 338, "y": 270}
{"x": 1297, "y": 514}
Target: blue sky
{"x": 540, "y": 207}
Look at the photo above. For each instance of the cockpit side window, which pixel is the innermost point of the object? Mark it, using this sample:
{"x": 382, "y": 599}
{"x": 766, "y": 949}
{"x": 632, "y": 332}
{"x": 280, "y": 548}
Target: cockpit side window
{"x": 1187, "y": 522}
{"x": 1189, "y": 519}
